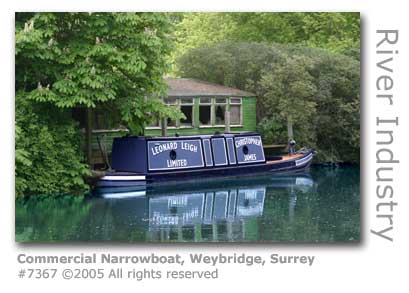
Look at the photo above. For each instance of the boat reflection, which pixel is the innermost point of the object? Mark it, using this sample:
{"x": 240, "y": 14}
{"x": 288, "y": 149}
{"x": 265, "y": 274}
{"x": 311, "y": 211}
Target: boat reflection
{"x": 212, "y": 211}
{"x": 196, "y": 208}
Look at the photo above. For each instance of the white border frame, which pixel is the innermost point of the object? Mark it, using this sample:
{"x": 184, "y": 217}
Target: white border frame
{"x": 173, "y": 168}
{"x": 225, "y": 151}
{"x": 249, "y": 162}
{"x": 228, "y": 150}
{"x": 209, "y": 144}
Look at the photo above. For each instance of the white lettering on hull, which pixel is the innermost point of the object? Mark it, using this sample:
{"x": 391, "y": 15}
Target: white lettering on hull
{"x": 176, "y": 163}
{"x": 251, "y": 157}
{"x": 168, "y": 146}
{"x": 157, "y": 149}
{"x": 248, "y": 140}
{"x": 189, "y": 147}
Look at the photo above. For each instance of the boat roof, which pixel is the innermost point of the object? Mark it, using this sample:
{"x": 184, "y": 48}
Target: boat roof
{"x": 190, "y": 87}
{"x": 201, "y": 135}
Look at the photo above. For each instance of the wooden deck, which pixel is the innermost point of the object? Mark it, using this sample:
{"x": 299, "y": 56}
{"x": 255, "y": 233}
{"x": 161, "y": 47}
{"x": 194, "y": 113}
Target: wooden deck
{"x": 286, "y": 158}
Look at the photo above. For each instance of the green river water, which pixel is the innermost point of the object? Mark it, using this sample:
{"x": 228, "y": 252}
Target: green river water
{"x": 320, "y": 206}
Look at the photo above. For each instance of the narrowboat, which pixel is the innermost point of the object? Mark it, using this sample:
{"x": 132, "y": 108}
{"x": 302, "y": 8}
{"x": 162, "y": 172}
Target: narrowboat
{"x": 143, "y": 160}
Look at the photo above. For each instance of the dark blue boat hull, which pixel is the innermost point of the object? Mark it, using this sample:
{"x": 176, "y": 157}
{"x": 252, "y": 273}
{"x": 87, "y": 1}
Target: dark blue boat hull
{"x": 121, "y": 179}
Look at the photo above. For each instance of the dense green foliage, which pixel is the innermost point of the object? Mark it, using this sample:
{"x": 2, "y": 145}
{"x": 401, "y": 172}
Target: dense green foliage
{"x": 316, "y": 89}
{"x": 336, "y": 32}
{"x": 48, "y": 154}
{"x": 84, "y": 59}
{"x": 68, "y": 60}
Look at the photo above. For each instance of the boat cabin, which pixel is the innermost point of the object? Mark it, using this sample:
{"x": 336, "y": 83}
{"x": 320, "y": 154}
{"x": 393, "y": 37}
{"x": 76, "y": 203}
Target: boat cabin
{"x": 142, "y": 154}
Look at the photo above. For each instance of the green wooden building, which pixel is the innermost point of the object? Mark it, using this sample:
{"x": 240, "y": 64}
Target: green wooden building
{"x": 206, "y": 106}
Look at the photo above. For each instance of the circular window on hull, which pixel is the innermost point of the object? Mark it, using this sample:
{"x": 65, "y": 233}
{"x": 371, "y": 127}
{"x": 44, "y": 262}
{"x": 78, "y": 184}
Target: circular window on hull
{"x": 172, "y": 155}
{"x": 245, "y": 150}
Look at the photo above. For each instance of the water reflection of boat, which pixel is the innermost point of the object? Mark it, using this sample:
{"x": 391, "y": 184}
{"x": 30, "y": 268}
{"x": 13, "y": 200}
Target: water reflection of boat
{"x": 195, "y": 208}
{"x": 299, "y": 181}
{"x": 205, "y": 211}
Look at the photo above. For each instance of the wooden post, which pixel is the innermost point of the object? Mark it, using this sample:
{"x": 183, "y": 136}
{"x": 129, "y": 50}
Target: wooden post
{"x": 164, "y": 128}
{"x": 227, "y": 116}
{"x": 290, "y": 128}
{"x": 88, "y": 136}
{"x": 227, "y": 121}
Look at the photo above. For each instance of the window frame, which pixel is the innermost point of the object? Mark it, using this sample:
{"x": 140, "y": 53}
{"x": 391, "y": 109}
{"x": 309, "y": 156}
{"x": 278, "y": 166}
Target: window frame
{"x": 196, "y": 101}
{"x": 215, "y": 103}
{"x": 211, "y": 111}
{"x": 241, "y": 110}
{"x": 180, "y": 104}
{"x": 177, "y": 103}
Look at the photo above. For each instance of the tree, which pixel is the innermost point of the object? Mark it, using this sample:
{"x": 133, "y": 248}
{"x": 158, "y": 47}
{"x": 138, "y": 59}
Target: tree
{"x": 68, "y": 60}
{"x": 48, "y": 159}
{"x": 336, "y": 32}
{"x": 315, "y": 90}
{"x": 288, "y": 94}
{"x": 84, "y": 59}
{"x": 193, "y": 30}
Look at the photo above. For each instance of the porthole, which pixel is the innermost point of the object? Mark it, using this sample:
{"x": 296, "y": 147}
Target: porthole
{"x": 245, "y": 150}
{"x": 173, "y": 210}
{"x": 172, "y": 155}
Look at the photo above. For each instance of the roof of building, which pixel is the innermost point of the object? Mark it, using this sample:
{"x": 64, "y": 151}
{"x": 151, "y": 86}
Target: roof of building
{"x": 189, "y": 87}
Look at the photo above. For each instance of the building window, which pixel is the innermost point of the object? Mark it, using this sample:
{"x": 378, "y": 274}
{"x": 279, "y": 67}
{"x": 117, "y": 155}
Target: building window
{"x": 155, "y": 123}
{"x": 211, "y": 111}
{"x": 235, "y": 111}
{"x": 219, "y": 111}
{"x": 205, "y": 111}
{"x": 186, "y": 107}
{"x": 172, "y": 102}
